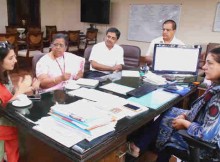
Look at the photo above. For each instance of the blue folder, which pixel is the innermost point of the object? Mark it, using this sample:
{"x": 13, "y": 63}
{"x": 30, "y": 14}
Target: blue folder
{"x": 154, "y": 99}
{"x": 179, "y": 90}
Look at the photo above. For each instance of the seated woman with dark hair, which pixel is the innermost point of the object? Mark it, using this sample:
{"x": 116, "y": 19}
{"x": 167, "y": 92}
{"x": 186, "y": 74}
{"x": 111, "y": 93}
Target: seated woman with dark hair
{"x": 202, "y": 121}
{"x": 8, "y": 131}
{"x": 58, "y": 66}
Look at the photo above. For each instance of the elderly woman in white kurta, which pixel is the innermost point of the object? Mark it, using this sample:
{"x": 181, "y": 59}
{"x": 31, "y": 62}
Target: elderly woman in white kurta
{"x": 58, "y": 66}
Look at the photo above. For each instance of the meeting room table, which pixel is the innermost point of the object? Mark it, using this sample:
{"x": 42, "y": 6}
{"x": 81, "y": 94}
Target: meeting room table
{"x": 40, "y": 147}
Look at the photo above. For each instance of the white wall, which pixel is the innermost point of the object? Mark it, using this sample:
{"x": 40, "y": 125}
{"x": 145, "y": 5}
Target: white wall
{"x": 65, "y": 14}
{"x": 196, "y": 20}
{"x": 4, "y": 15}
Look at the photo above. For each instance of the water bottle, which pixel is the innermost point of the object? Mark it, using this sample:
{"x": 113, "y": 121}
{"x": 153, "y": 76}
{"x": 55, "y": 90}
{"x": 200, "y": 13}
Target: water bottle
{"x": 143, "y": 70}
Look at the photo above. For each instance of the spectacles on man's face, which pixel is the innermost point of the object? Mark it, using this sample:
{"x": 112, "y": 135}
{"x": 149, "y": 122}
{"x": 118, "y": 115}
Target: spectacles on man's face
{"x": 168, "y": 30}
{"x": 58, "y": 45}
{"x": 110, "y": 37}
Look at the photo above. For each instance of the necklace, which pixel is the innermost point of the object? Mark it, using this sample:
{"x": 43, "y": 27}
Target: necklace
{"x": 62, "y": 70}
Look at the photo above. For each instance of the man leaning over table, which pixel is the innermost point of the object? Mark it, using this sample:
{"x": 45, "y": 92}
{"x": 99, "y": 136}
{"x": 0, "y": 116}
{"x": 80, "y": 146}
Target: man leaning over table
{"x": 106, "y": 57}
{"x": 168, "y": 37}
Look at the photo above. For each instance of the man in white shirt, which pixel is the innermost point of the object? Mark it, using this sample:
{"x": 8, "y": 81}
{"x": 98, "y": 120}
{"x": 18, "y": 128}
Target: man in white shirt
{"x": 168, "y": 37}
{"x": 107, "y": 57}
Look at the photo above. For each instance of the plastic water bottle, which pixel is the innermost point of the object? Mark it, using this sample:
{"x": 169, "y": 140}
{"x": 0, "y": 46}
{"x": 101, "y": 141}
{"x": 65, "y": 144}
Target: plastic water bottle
{"x": 143, "y": 70}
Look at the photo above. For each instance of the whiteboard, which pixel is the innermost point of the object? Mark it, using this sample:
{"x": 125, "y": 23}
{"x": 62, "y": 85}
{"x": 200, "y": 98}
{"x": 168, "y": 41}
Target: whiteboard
{"x": 217, "y": 19}
{"x": 145, "y": 20}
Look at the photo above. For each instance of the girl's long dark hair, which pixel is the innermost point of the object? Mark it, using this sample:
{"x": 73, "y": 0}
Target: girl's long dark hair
{"x": 4, "y": 50}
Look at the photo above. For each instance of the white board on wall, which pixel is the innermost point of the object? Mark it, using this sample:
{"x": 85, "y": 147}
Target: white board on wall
{"x": 145, "y": 20}
{"x": 216, "y": 26}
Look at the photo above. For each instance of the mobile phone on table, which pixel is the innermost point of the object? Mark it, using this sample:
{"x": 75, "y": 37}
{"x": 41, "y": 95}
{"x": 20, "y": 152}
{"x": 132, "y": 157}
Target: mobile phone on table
{"x": 34, "y": 97}
{"x": 132, "y": 107}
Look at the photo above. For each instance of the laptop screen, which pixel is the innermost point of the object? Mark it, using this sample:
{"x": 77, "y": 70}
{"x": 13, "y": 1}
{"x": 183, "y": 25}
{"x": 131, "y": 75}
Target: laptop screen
{"x": 176, "y": 59}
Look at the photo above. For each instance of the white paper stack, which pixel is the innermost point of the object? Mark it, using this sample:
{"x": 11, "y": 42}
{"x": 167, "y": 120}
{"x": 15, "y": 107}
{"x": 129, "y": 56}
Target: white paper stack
{"x": 108, "y": 102}
{"x": 85, "y": 82}
{"x": 83, "y": 115}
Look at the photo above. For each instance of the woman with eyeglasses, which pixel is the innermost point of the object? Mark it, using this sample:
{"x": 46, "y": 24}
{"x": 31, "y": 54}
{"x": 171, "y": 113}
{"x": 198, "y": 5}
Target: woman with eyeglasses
{"x": 58, "y": 66}
{"x": 8, "y": 131}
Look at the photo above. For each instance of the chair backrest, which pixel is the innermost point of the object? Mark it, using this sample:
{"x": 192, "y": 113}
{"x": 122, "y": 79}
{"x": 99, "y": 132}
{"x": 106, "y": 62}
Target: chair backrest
{"x": 74, "y": 38}
{"x": 34, "y": 29}
{"x": 132, "y": 56}
{"x": 49, "y": 31}
{"x": 11, "y": 29}
{"x": 210, "y": 46}
{"x": 35, "y": 59}
{"x": 74, "y": 35}
{"x": 10, "y": 38}
{"x": 91, "y": 37}
{"x": 195, "y": 147}
{"x": 35, "y": 41}
{"x": 87, "y": 53}
{"x": 203, "y": 55}
{"x": 57, "y": 32}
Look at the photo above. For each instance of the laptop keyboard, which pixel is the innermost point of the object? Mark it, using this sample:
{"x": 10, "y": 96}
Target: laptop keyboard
{"x": 142, "y": 90}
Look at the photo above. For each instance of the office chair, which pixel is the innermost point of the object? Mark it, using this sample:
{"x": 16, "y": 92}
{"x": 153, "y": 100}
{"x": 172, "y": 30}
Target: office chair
{"x": 195, "y": 145}
{"x": 91, "y": 37}
{"x": 87, "y": 53}
{"x": 33, "y": 29}
{"x": 203, "y": 56}
{"x": 11, "y": 29}
{"x": 194, "y": 149}
{"x": 49, "y": 30}
{"x": 132, "y": 56}
{"x": 35, "y": 59}
{"x": 34, "y": 45}
{"x": 74, "y": 40}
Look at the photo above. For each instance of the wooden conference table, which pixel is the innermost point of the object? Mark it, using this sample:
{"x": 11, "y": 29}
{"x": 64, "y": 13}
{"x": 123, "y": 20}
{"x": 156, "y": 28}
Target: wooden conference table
{"x": 107, "y": 148}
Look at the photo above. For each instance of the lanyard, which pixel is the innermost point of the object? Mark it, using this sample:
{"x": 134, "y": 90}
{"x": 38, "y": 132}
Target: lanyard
{"x": 62, "y": 70}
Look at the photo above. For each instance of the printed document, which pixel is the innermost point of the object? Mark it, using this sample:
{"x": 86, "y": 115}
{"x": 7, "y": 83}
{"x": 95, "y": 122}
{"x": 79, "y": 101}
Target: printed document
{"x": 114, "y": 87}
{"x": 59, "y": 132}
{"x": 130, "y": 73}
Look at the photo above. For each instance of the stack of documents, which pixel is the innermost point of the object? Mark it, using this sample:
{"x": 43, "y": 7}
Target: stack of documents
{"x": 85, "y": 82}
{"x": 154, "y": 78}
{"x": 83, "y": 115}
{"x": 130, "y": 73}
{"x": 110, "y": 103}
{"x": 58, "y": 131}
{"x": 117, "y": 88}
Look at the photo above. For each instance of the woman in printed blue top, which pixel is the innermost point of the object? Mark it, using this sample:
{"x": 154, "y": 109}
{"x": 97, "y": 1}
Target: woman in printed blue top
{"x": 202, "y": 121}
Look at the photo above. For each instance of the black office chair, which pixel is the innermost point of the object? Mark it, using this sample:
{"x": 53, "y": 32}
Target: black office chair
{"x": 35, "y": 59}
{"x": 132, "y": 56}
{"x": 195, "y": 145}
{"x": 87, "y": 53}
